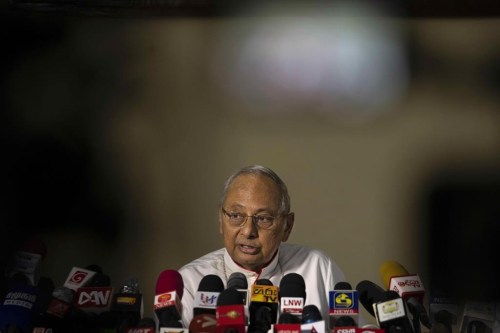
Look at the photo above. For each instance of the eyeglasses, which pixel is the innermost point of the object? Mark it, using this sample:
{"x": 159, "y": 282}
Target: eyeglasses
{"x": 263, "y": 221}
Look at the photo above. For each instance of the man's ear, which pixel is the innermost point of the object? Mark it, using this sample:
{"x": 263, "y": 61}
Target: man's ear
{"x": 289, "y": 220}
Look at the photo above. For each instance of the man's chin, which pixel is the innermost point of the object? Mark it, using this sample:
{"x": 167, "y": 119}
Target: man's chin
{"x": 249, "y": 262}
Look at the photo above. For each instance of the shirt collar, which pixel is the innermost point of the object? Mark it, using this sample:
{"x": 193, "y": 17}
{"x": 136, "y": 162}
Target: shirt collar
{"x": 230, "y": 267}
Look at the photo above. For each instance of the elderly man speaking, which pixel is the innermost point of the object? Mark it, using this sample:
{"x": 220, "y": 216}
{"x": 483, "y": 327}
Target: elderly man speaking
{"x": 255, "y": 222}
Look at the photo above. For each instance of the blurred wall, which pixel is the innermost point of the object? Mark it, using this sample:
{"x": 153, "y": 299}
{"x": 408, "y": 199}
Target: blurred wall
{"x": 137, "y": 116}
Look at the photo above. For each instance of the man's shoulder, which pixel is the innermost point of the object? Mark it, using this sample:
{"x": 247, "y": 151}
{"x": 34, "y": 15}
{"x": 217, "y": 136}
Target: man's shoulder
{"x": 295, "y": 251}
{"x": 208, "y": 262}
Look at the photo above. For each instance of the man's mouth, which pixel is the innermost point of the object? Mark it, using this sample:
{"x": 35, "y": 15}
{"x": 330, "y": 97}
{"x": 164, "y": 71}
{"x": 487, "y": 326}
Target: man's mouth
{"x": 247, "y": 249}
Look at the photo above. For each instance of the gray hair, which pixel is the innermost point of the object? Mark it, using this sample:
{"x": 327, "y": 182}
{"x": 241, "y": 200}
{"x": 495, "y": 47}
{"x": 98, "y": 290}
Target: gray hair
{"x": 260, "y": 170}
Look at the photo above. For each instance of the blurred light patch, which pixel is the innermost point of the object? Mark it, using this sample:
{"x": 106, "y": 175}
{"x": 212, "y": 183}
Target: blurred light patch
{"x": 337, "y": 60}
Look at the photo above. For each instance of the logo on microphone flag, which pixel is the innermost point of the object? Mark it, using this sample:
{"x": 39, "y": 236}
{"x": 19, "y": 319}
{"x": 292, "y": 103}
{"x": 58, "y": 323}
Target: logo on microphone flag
{"x": 343, "y": 302}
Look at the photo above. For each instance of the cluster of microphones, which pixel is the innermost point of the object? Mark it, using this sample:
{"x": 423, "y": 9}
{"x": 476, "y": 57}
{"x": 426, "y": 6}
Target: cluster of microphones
{"x": 264, "y": 307}
{"x": 397, "y": 307}
{"x": 86, "y": 302}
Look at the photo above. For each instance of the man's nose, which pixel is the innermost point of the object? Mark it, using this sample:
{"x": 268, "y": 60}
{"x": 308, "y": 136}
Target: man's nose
{"x": 249, "y": 228}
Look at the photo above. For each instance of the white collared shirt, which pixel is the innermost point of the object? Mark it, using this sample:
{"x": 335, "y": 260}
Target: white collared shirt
{"x": 320, "y": 274}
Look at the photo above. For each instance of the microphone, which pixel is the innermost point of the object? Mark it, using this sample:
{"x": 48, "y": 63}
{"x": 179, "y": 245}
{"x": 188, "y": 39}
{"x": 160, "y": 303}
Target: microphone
{"x": 292, "y": 294}
{"x": 288, "y": 323}
{"x": 391, "y": 313}
{"x": 99, "y": 279}
{"x": 78, "y": 277}
{"x": 205, "y": 304}
{"x": 409, "y": 287}
{"x": 230, "y": 312}
{"x": 312, "y": 321}
{"x": 167, "y": 301}
{"x": 127, "y": 305}
{"x": 95, "y": 297}
{"x": 57, "y": 312}
{"x": 368, "y": 294}
{"x": 27, "y": 260}
{"x": 20, "y": 306}
{"x": 239, "y": 282}
{"x": 263, "y": 304}
{"x": 386, "y": 306}
{"x": 61, "y": 302}
{"x": 344, "y": 309}
{"x": 205, "y": 299}
{"x": 91, "y": 301}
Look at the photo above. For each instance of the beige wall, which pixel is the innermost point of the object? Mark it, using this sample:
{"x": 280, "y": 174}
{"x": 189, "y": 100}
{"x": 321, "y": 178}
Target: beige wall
{"x": 172, "y": 135}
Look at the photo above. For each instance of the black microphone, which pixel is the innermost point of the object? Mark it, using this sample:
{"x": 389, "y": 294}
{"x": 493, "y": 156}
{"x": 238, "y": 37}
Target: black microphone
{"x": 205, "y": 304}
{"x": 96, "y": 295}
{"x": 205, "y": 299}
{"x": 263, "y": 306}
{"x": 92, "y": 298}
{"x": 312, "y": 321}
{"x": 387, "y": 307}
{"x": 368, "y": 294}
{"x": 239, "y": 282}
{"x": 99, "y": 279}
{"x": 127, "y": 305}
{"x": 391, "y": 313}
{"x": 292, "y": 294}
{"x": 344, "y": 309}
{"x": 288, "y": 323}
{"x": 288, "y": 318}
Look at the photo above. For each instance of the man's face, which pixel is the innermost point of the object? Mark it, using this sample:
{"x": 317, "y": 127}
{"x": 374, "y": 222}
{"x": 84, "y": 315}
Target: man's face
{"x": 249, "y": 246}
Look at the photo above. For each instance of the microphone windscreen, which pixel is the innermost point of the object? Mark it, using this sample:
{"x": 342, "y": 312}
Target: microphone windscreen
{"x": 389, "y": 269}
{"x": 262, "y": 320}
{"x": 311, "y": 314}
{"x": 288, "y": 318}
{"x": 263, "y": 282}
{"x": 99, "y": 279}
{"x": 237, "y": 280}
{"x": 344, "y": 321}
{"x": 368, "y": 294}
{"x": 130, "y": 286}
{"x": 169, "y": 280}
{"x": 292, "y": 285}
{"x": 229, "y": 296}
{"x": 211, "y": 283}
{"x": 342, "y": 285}
{"x": 94, "y": 268}
{"x": 389, "y": 295}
